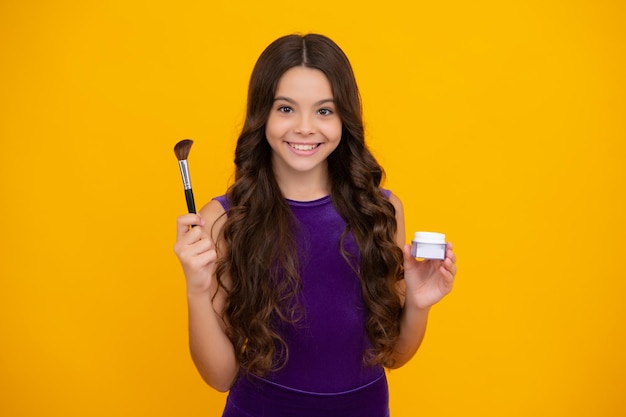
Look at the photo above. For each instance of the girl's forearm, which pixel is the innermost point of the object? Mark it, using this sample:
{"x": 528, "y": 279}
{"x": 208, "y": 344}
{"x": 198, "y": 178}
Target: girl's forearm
{"x": 412, "y": 330}
{"x": 211, "y": 350}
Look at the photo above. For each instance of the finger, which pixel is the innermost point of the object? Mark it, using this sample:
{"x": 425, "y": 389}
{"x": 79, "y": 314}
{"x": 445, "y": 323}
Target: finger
{"x": 185, "y": 221}
{"x": 189, "y": 236}
{"x": 409, "y": 260}
{"x": 208, "y": 257}
{"x": 189, "y": 253}
{"x": 198, "y": 240}
{"x": 448, "y": 275}
{"x": 202, "y": 259}
{"x": 450, "y": 253}
{"x": 186, "y": 241}
{"x": 406, "y": 251}
{"x": 449, "y": 266}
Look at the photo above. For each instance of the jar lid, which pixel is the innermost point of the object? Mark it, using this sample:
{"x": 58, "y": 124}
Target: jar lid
{"x": 429, "y": 237}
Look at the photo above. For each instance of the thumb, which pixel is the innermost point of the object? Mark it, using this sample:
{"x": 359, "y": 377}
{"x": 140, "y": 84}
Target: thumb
{"x": 409, "y": 261}
{"x": 406, "y": 251}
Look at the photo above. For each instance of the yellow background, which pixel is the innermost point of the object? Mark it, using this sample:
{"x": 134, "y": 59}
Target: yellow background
{"x": 499, "y": 123}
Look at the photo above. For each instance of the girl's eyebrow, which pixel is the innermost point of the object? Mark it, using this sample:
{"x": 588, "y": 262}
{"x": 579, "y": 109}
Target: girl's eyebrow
{"x": 292, "y": 101}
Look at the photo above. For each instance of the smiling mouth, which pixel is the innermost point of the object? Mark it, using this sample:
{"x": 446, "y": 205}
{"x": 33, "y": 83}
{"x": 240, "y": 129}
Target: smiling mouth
{"x": 303, "y": 147}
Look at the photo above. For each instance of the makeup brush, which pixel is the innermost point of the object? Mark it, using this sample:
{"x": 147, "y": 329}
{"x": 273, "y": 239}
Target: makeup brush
{"x": 181, "y": 150}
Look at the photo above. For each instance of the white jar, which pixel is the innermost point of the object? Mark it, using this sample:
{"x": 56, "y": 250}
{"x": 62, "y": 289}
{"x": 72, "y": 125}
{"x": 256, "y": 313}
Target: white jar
{"x": 429, "y": 245}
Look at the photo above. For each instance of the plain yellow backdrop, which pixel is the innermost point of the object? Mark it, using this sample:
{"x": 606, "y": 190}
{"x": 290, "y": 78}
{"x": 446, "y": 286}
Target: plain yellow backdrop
{"x": 499, "y": 123}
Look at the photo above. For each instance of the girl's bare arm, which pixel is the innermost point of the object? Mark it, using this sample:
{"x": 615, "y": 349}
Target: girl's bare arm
{"x": 211, "y": 350}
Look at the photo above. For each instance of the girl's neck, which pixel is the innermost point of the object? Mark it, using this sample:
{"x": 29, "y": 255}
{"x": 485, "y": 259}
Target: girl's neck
{"x": 304, "y": 186}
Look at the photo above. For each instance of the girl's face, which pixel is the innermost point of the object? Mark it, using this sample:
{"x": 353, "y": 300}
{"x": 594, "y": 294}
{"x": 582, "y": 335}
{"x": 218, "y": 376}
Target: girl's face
{"x": 303, "y": 127}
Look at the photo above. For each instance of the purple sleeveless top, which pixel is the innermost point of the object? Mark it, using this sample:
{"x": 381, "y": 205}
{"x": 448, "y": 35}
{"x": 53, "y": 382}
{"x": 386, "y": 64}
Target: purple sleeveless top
{"x": 325, "y": 369}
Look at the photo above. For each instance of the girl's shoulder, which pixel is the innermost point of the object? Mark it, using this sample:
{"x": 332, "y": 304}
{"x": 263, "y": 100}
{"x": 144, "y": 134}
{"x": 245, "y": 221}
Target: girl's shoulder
{"x": 393, "y": 199}
{"x": 223, "y": 200}
{"x": 213, "y": 215}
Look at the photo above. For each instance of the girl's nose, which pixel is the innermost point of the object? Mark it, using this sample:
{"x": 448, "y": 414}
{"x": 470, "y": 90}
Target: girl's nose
{"x": 304, "y": 126}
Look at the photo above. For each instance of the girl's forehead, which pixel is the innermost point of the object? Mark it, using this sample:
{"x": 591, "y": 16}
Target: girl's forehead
{"x": 304, "y": 80}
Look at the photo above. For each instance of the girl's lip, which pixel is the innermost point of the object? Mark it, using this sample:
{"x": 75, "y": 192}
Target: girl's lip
{"x": 303, "y": 148}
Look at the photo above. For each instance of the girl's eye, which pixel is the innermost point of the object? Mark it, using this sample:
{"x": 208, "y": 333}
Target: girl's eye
{"x": 285, "y": 109}
{"x": 325, "y": 112}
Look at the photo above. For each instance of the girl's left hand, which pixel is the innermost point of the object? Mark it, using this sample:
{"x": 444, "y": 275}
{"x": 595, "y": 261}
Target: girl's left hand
{"x": 428, "y": 281}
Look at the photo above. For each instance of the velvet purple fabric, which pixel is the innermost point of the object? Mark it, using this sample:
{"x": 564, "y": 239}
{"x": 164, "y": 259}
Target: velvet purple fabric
{"x": 254, "y": 397}
{"x": 325, "y": 374}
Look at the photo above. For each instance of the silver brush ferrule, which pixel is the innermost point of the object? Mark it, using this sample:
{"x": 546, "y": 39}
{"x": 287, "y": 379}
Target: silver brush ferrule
{"x": 184, "y": 172}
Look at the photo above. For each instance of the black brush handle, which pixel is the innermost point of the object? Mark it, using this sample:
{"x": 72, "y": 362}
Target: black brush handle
{"x": 191, "y": 205}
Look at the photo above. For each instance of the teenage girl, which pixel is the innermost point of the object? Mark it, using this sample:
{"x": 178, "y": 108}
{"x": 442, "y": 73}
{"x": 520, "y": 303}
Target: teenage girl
{"x": 300, "y": 286}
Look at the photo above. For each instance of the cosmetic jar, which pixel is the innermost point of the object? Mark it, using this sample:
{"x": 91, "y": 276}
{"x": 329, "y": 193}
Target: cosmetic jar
{"x": 429, "y": 245}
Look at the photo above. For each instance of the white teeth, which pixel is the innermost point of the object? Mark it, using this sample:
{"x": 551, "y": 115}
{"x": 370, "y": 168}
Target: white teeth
{"x": 299, "y": 147}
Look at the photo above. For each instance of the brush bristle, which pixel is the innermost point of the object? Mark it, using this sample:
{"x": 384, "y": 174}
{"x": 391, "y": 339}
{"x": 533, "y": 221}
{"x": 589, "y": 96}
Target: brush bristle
{"x": 182, "y": 149}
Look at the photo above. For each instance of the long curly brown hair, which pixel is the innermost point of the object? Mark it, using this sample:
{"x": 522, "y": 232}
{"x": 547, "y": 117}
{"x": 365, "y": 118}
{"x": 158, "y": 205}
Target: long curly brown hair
{"x": 258, "y": 251}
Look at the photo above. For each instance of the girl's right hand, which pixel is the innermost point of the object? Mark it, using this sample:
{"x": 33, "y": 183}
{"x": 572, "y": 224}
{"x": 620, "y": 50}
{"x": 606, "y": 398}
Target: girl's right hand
{"x": 196, "y": 253}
